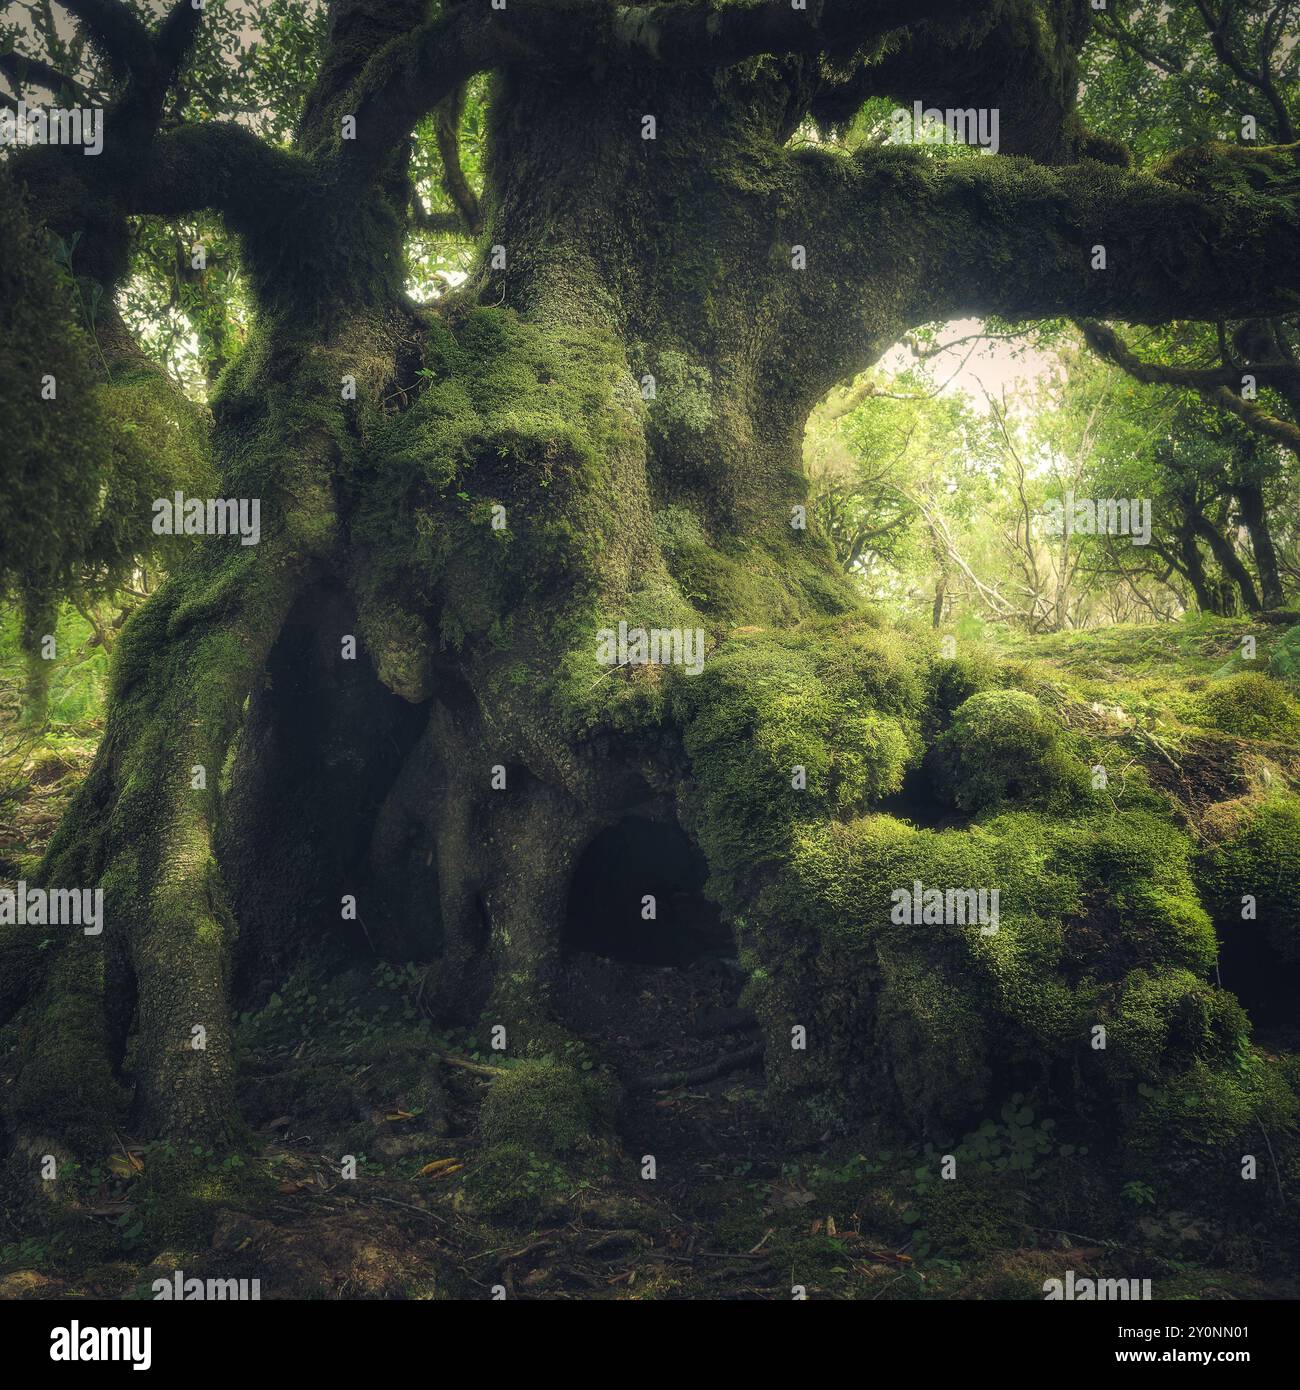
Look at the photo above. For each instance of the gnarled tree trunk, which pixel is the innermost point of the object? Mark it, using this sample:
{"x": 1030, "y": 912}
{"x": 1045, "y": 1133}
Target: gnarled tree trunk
{"x": 603, "y": 427}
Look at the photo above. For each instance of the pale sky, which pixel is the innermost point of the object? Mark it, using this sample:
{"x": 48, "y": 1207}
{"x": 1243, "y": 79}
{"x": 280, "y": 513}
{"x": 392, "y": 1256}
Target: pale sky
{"x": 990, "y": 367}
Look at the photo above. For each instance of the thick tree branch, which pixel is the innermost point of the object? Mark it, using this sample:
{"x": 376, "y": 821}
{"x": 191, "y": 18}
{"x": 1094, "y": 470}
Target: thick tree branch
{"x": 1215, "y": 235}
{"x": 221, "y": 166}
{"x": 115, "y": 31}
{"x": 894, "y": 239}
{"x": 1009, "y": 61}
{"x": 413, "y": 74}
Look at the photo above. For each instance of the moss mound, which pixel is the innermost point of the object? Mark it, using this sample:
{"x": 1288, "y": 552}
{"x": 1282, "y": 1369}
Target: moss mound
{"x": 547, "y": 1106}
{"x": 1002, "y": 747}
{"x": 1040, "y": 932}
{"x": 1195, "y": 1135}
{"x": 513, "y": 1181}
{"x": 1252, "y": 879}
{"x": 1249, "y": 705}
{"x": 785, "y": 730}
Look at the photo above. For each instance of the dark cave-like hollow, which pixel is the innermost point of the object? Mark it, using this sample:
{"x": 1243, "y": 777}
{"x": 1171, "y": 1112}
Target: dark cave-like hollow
{"x": 1266, "y": 984}
{"x": 620, "y": 871}
{"x": 322, "y": 743}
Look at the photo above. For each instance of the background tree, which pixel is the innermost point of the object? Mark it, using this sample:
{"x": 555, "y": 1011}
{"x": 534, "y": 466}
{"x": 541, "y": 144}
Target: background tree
{"x": 1199, "y": 73}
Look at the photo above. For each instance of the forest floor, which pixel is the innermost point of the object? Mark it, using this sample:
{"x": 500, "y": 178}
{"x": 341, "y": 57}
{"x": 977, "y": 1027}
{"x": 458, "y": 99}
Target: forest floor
{"x": 343, "y": 1061}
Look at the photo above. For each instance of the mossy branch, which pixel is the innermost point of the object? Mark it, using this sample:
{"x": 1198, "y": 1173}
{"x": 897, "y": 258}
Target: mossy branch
{"x": 1212, "y": 235}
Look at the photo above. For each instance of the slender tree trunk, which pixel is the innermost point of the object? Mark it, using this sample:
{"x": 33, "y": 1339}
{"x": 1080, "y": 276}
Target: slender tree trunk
{"x": 1226, "y": 557}
{"x": 1193, "y": 567}
{"x": 1255, "y": 518}
{"x": 38, "y": 624}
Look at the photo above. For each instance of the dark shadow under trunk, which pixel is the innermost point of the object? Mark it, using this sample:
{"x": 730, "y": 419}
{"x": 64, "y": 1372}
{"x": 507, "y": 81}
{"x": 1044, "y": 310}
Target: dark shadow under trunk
{"x": 321, "y": 745}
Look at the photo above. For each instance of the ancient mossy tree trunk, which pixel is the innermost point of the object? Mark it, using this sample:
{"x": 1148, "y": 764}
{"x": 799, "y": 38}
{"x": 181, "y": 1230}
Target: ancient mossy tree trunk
{"x": 404, "y": 704}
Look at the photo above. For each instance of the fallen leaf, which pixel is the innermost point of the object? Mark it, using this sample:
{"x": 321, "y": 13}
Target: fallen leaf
{"x": 437, "y": 1166}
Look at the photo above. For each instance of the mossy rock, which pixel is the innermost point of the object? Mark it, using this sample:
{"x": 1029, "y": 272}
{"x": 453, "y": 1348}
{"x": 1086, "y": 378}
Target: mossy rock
{"x": 1003, "y": 746}
{"x": 921, "y": 1021}
{"x": 1249, "y": 705}
{"x": 548, "y": 1107}
{"x": 1259, "y": 860}
{"x": 787, "y": 729}
{"x": 1189, "y": 1137}
{"x": 1171, "y": 1020}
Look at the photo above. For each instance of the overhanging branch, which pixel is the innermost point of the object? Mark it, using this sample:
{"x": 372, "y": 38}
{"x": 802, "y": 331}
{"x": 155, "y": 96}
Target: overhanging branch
{"x": 222, "y": 166}
{"x": 1107, "y": 343}
{"x": 1215, "y": 235}
{"x": 895, "y": 239}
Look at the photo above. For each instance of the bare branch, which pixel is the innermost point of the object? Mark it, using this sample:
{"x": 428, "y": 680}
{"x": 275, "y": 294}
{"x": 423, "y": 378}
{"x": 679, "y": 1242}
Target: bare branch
{"x": 1107, "y": 343}
{"x": 1259, "y": 81}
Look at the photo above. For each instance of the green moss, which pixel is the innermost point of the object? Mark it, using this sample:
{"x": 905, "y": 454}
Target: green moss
{"x": 65, "y": 1085}
{"x": 683, "y": 393}
{"x": 1002, "y": 746}
{"x": 1189, "y": 1138}
{"x": 548, "y": 1107}
{"x": 970, "y": 1215}
{"x": 1260, "y": 861}
{"x": 1249, "y": 705}
{"x": 954, "y": 680}
{"x": 786, "y": 729}
{"x": 511, "y": 1181}
{"x": 1096, "y": 918}
{"x": 185, "y": 1187}
{"x": 1170, "y": 1020}
{"x": 945, "y": 1008}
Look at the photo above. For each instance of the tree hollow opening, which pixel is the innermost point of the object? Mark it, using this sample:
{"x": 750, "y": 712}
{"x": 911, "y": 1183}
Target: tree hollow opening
{"x": 637, "y": 895}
